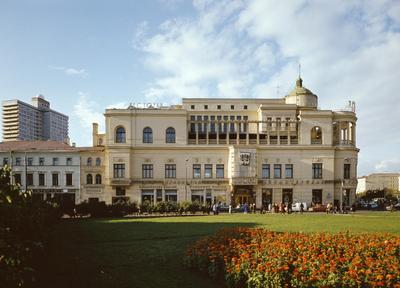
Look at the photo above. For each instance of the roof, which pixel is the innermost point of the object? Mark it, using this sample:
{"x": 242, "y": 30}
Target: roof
{"x": 91, "y": 149}
{"x": 299, "y": 89}
{"x": 35, "y": 145}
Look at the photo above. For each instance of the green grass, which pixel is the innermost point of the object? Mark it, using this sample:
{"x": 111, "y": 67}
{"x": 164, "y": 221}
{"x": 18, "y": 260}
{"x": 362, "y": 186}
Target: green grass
{"x": 149, "y": 252}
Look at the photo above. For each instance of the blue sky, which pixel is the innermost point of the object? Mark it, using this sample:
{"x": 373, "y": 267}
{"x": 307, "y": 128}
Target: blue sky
{"x": 84, "y": 56}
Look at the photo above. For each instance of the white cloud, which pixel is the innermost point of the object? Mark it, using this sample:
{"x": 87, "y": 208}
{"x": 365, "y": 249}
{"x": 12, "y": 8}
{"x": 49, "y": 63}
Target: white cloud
{"x": 349, "y": 50}
{"x": 87, "y": 112}
{"x": 391, "y": 165}
{"x": 71, "y": 71}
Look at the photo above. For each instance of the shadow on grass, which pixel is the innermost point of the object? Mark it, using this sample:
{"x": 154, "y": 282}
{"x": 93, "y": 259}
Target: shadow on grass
{"x": 126, "y": 253}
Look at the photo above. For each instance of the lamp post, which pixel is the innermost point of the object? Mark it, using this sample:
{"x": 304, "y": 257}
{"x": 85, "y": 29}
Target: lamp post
{"x": 186, "y": 191}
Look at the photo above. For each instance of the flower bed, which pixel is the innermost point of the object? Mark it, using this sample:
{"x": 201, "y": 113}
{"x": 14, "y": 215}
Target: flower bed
{"x": 248, "y": 257}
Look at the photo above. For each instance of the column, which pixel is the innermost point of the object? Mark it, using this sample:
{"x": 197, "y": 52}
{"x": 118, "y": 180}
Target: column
{"x": 258, "y": 133}
{"x": 228, "y": 123}
{"x": 247, "y": 133}
{"x": 207, "y": 126}
{"x": 237, "y": 126}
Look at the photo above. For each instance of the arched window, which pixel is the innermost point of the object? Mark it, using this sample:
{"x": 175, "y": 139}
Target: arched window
{"x": 89, "y": 161}
{"x": 147, "y": 135}
{"x": 98, "y": 161}
{"x": 89, "y": 179}
{"x": 98, "y": 179}
{"x": 170, "y": 135}
{"x": 120, "y": 135}
{"x": 316, "y": 135}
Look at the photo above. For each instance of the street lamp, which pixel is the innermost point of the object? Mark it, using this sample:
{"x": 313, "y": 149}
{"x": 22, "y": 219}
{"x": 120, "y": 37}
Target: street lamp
{"x": 186, "y": 191}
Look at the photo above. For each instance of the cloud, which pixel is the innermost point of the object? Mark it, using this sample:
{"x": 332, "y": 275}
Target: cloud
{"x": 87, "y": 112}
{"x": 349, "y": 50}
{"x": 391, "y": 165}
{"x": 71, "y": 71}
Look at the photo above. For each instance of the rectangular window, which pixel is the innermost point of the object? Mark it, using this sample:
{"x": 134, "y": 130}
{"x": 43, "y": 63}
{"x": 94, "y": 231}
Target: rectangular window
{"x": 205, "y": 107}
{"x": 41, "y": 161}
{"x": 119, "y": 170}
{"x": 42, "y": 179}
{"x": 199, "y": 124}
{"x": 192, "y": 125}
{"x": 245, "y": 107}
{"x": 29, "y": 179}
{"x": 55, "y": 161}
{"x": 266, "y": 171}
{"x": 148, "y": 196}
{"x": 277, "y": 171}
{"x": 196, "y": 171}
{"x": 18, "y": 161}
{"x": 287, "y": 122}
{"x": 346, "y": 171}
{"x": 220, "y": 171}
{"x": 219, "y": 107}
{"x": 317, "y": 196}
{"x": 232, "y": 107}
{"x": 120, "y": 191}
{"x": 5, "y": 161}
{"x": 192, "y": 107}
{"x": 159, "y": 196}
{"x": 289, "y": 171}
{"x": 212, "y": 124}
{"x": 147, "y": 171}
{"x": 30, "y": 161}
{"x": 317, "y": 170}
{"x": 54, "y": 178}
{"x": 171, "y": 195}
{"x": 208, "y": 171}
{"x": 232, "y": 124}
{"x": 170, "y": 170}
{"x": 17, "y": 178}
{"x": 68, "y": 179}
{"x": 69, "y": 161}
{"x": 269, "y": 121}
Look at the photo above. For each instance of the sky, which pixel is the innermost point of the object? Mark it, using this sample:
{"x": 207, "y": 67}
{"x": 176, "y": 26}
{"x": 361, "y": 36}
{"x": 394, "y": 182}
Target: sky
{"x": 86, "y": 56}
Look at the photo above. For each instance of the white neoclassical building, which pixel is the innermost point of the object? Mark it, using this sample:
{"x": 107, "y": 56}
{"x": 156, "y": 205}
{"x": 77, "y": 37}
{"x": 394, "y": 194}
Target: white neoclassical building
{"x": 230, "y": 150}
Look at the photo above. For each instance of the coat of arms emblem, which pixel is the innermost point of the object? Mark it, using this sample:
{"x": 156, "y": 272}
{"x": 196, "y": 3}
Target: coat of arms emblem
{"x": 245, "y": 158}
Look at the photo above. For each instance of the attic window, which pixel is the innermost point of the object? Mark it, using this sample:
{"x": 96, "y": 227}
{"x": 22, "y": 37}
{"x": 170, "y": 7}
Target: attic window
{"x": 219, "y": 107}
{"x": 192, "y": 107}
{"x": 245, "y": 107}
{"x": 232, "y": 107}
{"x": 205, "y": 107}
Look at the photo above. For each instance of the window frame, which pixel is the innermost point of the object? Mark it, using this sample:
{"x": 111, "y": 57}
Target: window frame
{"x": 170, "y": 135}
{"x": 147, "y": 135}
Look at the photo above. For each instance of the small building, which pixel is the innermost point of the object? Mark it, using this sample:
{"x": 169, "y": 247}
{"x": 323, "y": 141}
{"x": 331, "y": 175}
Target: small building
{"x": 379, "y": 181}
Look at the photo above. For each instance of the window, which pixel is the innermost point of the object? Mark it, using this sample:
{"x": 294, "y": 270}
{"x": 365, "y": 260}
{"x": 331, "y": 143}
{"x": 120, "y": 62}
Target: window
{"x": 89, "y": 179}
{"x": 29, "y": 179}
{"x": 17, "y": 178}
{"x": 192, "y": 107}
{"x": 148, "y": 196}
{"x": 277, "y": 171}
{"x": 196, "y": 171}
{"x": 208, "y": 171}
{"x": 346, "y": 171}
{"x": 316, "y": 135}
{"x": 147, "y": 135}
{"x": 170, "y": 135}
{"x": 120, "y": 191}
{"x": 98, "y": 161}
{"x": 205, "y": 107}
{"x": 89, "y": 161}
{"x": 69, "y": 161}
{"x": 30, "y": 161}
{"x": 278, "y": 122}
{"x": 5, "y": 161}
{"x": 287, "y": 122}
{"x": 289, "y": 171}
{"x": 170, "y": 170}
{"x": 159, "y": 196}
{"x": 55, "y": 161}
{"x": 41, "y": 161}
{"x": 232, "y": 107}
{"x": 220, "y": 171}
{"x": 119, "y": 170}
{"x": 171, "y": 195}
{"x": 147, "y": 171}
{"x": 68, "y": 179}
{"x": 212, "y": 124}
{"x": 42, "y": 181}
{"x": 98, "y": 179}
{"x": 120, "y": 135}
{"x": 245, "y": 107}
{"x": 232, "y": 124}
{"x": 269, "y": 121}
{"x": 219, "y": 107}
{"x": 266, "y": 171}
{"x": 54, "y": 179}
{"x": 317, "y": 170}
{"x": 18, "y": 161}
{"x": 317, "y": 196}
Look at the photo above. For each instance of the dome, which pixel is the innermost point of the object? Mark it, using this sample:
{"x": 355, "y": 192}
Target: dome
{"x": 301, "y": 96}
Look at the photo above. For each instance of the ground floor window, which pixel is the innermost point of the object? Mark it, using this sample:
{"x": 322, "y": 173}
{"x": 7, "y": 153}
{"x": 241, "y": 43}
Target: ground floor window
{"x": 266, "y": 197}
{"x": 287, "y": 196}
{"x": 198, "y": 195}
{"x": 159, "y": 195}
{"x": 171, "y": 195}
{"x": 148, "y": 196}
{"x": 317, "y": 196}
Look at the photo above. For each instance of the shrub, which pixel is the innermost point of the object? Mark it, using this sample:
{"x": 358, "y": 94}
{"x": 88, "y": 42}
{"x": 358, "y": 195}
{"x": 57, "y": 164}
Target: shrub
{"x": 247, "y": 257}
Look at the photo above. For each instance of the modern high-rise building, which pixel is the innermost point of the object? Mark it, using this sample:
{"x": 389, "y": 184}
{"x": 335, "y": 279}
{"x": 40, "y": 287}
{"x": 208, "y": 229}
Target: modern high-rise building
{"x": 35, "y": 121}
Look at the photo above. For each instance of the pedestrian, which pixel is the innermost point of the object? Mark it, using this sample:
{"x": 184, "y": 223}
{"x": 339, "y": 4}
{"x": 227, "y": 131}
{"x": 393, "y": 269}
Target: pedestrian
{"x": 301, "y": 208}
{"x": 230, "y": 209}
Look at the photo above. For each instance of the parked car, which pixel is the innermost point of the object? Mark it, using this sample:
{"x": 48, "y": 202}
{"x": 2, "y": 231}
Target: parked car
{"x": 296, "y": 207}
{"x": 396, "y": 207}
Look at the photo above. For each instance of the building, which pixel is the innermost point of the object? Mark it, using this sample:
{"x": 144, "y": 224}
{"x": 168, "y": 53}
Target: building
{"x": 379, "y": 181}
{"x": 229, "y": 150}
{"x": 50, "y": 169}
{"x": 35, "y": 121}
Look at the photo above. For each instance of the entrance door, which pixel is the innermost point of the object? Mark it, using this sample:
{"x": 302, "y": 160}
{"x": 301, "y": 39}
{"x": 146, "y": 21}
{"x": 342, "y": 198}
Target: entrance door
{"x": 287, "y": 196}
{"x": 266, "y": 197}
{"x": 244, "y": 194}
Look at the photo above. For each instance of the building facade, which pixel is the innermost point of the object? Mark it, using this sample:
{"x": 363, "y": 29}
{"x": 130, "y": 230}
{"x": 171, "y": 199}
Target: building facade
{"x": 228, "y": 150}
{"x": 35, "y": 121}
{"x": 50, "y": 169}
{"x": 379, "y": 181}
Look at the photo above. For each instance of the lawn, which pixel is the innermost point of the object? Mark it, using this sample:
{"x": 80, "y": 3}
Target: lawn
{"x": 148, "y": 252}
